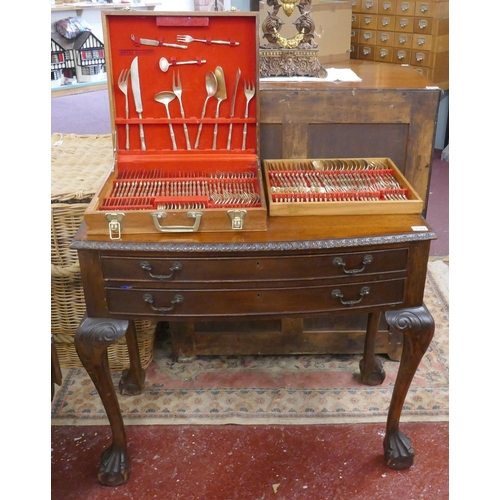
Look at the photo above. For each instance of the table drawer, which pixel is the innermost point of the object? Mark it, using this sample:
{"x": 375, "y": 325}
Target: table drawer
{"x": 258, "y": 269}
{"x": 219, "y": 302}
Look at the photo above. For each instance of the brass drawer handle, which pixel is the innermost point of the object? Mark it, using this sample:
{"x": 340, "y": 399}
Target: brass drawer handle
{"x": 178, "y": 299}
{"x": 176, "y": 266}
{"x": 339, "y": 262}
{"x": 336, "y": 294}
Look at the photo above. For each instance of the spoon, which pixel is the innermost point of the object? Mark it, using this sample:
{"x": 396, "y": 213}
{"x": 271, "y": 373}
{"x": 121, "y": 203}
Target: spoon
{"x": 164, "y": 64}
{"x": 221, "y": 94}
{"x": 319, "y": 165}
{"x": 166, "y": 97}
{"x": 211, "y": 85}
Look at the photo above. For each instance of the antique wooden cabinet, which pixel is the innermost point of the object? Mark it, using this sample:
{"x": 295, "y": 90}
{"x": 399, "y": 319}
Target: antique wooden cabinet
{"x": 413, "y": 32}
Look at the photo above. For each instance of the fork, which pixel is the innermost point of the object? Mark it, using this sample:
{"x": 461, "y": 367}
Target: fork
{"x": 177, "y": 88}
{"x": 249, "y": 89}
{"x": 123, "y": 86}
{"x": 189, "y": 39}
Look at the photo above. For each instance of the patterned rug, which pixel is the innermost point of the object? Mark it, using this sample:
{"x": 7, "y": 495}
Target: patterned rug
{"x": 298, "y": 389}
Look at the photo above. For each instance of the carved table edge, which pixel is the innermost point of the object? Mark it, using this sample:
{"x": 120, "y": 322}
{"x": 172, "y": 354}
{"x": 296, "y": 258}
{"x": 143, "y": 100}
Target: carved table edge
{"x": 251, "y": 246}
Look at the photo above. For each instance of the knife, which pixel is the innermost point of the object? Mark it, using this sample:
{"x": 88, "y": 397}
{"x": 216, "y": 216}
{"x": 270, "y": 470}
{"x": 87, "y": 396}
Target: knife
{"x": 136, "y": 90}
{"x": 233, "y": 103}
{"x": 221, "y": 94}
{"x": 156, "y": 43}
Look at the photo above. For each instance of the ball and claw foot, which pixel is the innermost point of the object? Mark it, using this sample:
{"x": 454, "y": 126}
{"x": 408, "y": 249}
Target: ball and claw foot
{"x": 372, "y": 373}
{"x": 398, "y": 451}
{"x": 114, "y": 468}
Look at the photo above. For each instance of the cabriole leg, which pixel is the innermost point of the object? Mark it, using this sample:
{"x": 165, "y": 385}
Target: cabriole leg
{"x": 132, "y": 381}
{"x": 417, "y": 326}
{"x": 372, "y": 372}
{"x": 92, "y": 339}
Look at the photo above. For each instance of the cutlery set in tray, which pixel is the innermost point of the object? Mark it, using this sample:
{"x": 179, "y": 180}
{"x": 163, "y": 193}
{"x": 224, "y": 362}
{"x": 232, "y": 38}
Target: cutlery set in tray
{"x": 184, "y": 112}
{"x": 184, "y": 103}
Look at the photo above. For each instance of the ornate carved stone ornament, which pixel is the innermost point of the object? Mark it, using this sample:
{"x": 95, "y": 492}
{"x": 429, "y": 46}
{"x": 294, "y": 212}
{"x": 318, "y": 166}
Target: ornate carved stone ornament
{"x": 296, "y": 55}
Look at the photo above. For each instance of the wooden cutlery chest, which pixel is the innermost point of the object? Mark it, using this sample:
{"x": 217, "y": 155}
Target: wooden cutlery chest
{"x": 339, "y": 186}
{"x": 183, "y": 94}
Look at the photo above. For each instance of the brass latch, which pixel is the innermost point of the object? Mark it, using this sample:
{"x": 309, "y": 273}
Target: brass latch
{"x": 237, "y": 218}
{"x": 115, "y": 224}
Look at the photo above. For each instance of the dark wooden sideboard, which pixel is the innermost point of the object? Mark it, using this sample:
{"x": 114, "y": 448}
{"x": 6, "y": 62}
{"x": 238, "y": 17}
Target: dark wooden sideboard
{"x": 315, "y": 266}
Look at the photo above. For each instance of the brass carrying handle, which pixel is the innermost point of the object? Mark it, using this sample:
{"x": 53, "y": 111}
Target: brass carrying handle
{"x": 176, "y": 266}
{"x": 177, "y": 229}
{"x": 178, "y": 299}
{"x": 339, "y": 262}
{"x": 337, "y": 294}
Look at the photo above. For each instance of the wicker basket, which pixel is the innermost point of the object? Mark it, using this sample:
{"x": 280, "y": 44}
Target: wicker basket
{"x": 79, "y": 166}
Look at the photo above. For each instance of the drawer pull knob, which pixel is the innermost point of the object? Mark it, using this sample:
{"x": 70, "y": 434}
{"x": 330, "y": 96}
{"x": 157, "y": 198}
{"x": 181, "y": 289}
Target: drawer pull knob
{"x": 339, "y": 262}
{"x": 177, "y": 229}
{"x": 178, "y": 299}
{"x": 176, "y": 266}
{"x": 336, "y": 294}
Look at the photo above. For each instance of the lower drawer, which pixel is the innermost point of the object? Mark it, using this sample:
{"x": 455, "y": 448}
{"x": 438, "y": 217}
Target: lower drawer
{"x": 216, "y": 303}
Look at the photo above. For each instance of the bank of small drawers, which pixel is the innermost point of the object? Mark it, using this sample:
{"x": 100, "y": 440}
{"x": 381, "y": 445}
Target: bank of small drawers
{"x": 166, "y": 287}
{"x": 412, "y": 32}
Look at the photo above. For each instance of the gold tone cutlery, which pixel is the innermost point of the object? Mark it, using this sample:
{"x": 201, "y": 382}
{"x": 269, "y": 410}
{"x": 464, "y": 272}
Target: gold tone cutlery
{"x": 177, "y": 88}
{"x": 189, "y": 39}
{"x": 221, "y": 94}
{"x": 123, "y": 86}
{"x": 249, "y": 89}
{"x": 233, "y": 103}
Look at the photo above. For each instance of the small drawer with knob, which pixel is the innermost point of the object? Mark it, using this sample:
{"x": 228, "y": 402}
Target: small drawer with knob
{"x": 368, "y": 21}
{"x": 405, "y": 8}
{"x": 369, "y": 6}
{"x": 366, "y": 52}
{"x": 368, "y": 37}
{"x": 423, "y": 25}
{"x": 420, "y": 58}
{"x": 426, "y": 8}
{"x": 384, "y": 54}
{"x": 386, "y": 23}
{"x": 385, "y": 38}
{"x": 387, "y": 7}
{"x": 401, "y": 56}
{"x": 355, "y": 36}
{"x": 404, "y": 24}
{"x": 355, "y": 20}
{"x": 422, "y": 41}
{"x": 403, "y": 40}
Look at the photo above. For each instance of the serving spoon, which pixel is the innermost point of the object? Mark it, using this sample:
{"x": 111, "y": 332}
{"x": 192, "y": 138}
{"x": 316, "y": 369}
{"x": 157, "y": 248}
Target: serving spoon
{"x": 166, "y": 97}
{"x": 164, "y": 64}
{"x": 211, "y": 85}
